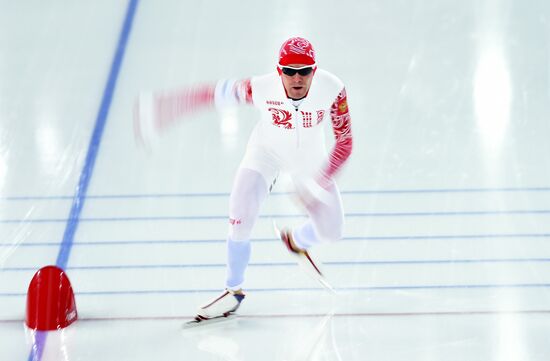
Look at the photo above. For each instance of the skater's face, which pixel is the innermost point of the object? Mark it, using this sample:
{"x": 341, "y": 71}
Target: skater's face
{"x": 297, "y": 79}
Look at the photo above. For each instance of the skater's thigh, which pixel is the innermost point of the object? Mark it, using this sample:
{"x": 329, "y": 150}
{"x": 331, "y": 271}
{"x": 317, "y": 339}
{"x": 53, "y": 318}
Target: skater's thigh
{"x": 248, "y": 193}
{"x": 328, "y": 218}
{"x": 249, "y": 186}
{"x": 262, "y": 161}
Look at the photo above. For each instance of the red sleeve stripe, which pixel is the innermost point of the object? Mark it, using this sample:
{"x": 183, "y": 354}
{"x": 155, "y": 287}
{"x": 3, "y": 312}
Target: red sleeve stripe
{"x": 341, "y": 126}
{"x": 244, "y": 91}
{"x": 170, "y": 106}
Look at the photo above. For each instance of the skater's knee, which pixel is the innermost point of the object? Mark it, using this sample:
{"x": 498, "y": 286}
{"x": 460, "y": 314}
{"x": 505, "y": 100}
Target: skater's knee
{"x": 331, "y": 234}
{"x": 239, "y": 230}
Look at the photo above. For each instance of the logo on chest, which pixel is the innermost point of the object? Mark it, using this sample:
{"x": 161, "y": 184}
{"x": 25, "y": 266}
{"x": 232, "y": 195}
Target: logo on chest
{"x": 283, "y": 118}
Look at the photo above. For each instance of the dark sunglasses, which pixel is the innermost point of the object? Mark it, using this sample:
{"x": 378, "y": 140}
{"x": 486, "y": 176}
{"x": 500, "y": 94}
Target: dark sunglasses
{"x": 303, "y": 71}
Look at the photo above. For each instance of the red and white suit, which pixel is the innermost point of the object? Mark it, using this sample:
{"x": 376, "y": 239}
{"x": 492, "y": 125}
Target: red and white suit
{"x": 289, "y": 137}
{"x": 292, "y": 138}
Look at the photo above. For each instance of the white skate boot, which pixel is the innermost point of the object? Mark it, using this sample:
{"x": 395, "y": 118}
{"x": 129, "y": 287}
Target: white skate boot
{"x": 302, "y": 256}
{"x": 220, "y": 307}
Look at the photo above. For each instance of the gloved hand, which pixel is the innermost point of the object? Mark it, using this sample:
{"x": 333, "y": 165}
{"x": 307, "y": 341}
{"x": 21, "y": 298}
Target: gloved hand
{"x": 146, "y": 128}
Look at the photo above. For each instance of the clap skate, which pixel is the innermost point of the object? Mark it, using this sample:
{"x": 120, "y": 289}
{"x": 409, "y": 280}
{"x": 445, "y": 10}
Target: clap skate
{"x": 302, "y": 256}
{"x": 219, "y": 308}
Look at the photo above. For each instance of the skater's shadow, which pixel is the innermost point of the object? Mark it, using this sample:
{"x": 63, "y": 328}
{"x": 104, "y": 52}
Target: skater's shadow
{"x": 217, "y": 339}
{"x": 230, "y": 339}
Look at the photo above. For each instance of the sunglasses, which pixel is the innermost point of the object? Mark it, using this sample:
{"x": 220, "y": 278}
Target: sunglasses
{"x": 303, "y": 71}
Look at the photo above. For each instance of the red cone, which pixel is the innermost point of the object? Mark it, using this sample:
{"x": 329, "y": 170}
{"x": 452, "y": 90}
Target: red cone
{"x": 50, "y": 300}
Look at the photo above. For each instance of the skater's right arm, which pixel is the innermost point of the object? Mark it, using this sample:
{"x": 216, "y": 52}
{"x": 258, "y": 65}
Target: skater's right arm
{"x": 168, "y": 107}
{"x": 230, "y": 92}
{"x": 154, "y": 112}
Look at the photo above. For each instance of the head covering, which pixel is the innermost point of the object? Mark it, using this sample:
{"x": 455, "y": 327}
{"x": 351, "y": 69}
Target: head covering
{"x": 296, "y": 51}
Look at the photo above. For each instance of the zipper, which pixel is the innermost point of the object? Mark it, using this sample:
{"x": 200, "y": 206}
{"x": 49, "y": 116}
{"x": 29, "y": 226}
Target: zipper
{"x": 297, "y": 127}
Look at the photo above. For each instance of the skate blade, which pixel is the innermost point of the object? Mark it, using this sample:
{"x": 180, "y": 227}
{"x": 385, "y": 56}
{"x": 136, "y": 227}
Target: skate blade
{"x": 201, "y": 322}
{"x": 277, "y": 230}
{"x": 308, "y": 269}
{"x": 306, "y": 265}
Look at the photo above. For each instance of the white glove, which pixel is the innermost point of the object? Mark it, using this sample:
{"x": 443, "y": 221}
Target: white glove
{"x": 309, "y": 191}
{"x": 146, "y": 131}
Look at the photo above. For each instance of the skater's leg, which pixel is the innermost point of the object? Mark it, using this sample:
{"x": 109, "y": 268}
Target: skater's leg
{"x": 325, "y": 222}
{"x": 249, "y": 191}
{"x": 250, "y": 188}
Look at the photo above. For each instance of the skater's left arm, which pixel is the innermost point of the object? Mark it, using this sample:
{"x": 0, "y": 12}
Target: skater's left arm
{"x": 313, "y": 190}
{"x": 341, "y": 127}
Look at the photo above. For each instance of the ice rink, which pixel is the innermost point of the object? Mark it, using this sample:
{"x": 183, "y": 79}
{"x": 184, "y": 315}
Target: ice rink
{"x": 446, "y": 254}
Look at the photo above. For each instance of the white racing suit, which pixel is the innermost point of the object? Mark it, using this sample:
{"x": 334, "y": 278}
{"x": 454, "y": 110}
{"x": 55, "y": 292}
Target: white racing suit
{"x": 289, "y": 137}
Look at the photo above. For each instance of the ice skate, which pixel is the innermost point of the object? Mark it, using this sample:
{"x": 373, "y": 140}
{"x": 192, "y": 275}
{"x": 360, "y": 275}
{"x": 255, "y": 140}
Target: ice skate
{"x": 305, "y": 261}
{"x": 219, "y": 308}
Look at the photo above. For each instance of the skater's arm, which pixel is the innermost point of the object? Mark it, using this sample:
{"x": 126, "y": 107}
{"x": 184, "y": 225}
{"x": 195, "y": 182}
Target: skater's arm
{"x": 172, "y": 106}
{"x": 230, "y": 92}
{"x": 313, "y": 190}
{"x": 155, "y": 112}
{"x": 226, "y": 92}
{"x": 341, "y": 126}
